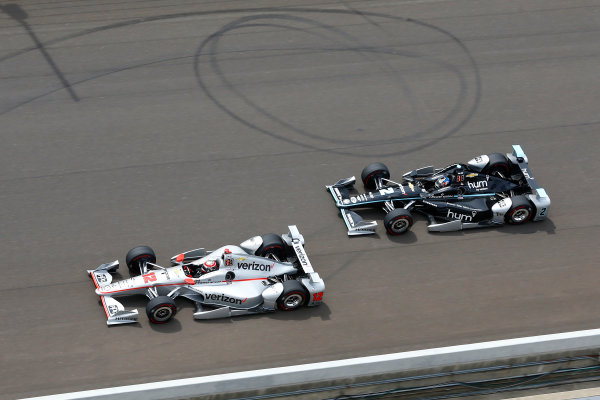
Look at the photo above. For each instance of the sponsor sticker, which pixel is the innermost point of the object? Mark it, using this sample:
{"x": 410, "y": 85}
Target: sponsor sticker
{"x": 254, "y": 266}
{"x": 461, "y": 216}
{"x": 526, "y": 173}
{"x": 301, "y": 255}
{"x": 479, "y": 185}
{"x": 224, "y": 298}
{"x": 112, "y": 310}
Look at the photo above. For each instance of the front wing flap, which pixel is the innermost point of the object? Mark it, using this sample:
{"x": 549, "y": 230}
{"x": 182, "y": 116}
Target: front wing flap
{"x": 354, "y": 222}
{"x": 356, "y": 225}
{"x": 115, "y": 312}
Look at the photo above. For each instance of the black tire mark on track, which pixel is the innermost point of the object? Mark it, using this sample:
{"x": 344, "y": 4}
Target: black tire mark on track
{"x": 265, "y": 13}
{"x": 212, "y": 43}
{"x": 240, "y": 24}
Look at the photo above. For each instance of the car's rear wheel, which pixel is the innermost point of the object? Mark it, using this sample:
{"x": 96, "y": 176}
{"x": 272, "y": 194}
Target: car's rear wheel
{"x": 520, "y": 211}
{"x": 161, "y": 309}
{"x": 498, "y": 165}
{"x": 272, "y": 245}
{"x": 137, "y": 256}
{"x": 398, "y": 221}
{"x": 294, "y": 296}
{"x": 372, "y": 172}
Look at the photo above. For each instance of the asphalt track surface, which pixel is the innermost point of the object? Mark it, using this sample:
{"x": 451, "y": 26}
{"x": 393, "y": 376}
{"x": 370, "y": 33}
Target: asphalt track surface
{"x": 201, "y": 123}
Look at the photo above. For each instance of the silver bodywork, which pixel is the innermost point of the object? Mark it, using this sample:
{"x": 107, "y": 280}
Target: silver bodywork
{"x": 243, "y": 284}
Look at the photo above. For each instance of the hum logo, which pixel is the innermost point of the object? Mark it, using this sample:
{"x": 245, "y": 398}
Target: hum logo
{"x": 479, "y": 185}
{"x": 459, "y": 216}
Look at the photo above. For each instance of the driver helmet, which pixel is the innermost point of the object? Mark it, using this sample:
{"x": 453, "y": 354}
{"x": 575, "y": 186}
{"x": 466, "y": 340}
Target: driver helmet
{"x": 209, "y": 266}
{"x": 442, "y": 181}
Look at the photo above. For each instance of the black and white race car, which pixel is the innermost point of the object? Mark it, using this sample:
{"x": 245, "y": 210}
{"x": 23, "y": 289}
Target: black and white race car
{"x": 488, "y": 190}
{"x": 263, "y": 274}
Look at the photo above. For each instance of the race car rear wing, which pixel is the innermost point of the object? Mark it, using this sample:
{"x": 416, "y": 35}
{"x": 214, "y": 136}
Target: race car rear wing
{"x": 295, "y": 240}
{"x": 518, "y": 157}
{"x": 538, "y": 197}
{"x": 313, "y": 282}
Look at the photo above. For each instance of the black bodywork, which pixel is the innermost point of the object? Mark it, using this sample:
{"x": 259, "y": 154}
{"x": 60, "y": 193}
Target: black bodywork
{"x": 471, "y": 194}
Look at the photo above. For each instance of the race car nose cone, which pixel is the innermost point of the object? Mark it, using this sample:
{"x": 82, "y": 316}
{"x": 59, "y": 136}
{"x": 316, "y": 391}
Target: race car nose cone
{"x": 180, "y": 258}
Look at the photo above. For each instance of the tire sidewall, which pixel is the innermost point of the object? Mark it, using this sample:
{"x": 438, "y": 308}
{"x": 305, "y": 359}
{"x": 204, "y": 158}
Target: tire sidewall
{"x": 519, "y": 204}
{"x": 395, "y": 220}
{"x": 394, "y": 217}
{"x": 498, "y": 163}
{"x": 283, "y": 306}
{"x": 272, "y": 244}
{"x": 373, "y": 171}
{"x": 137, "y": 254}
{"x": 292, "y": 288}
{"x": 160, "y": 308}
{"x": 158, "y": 305}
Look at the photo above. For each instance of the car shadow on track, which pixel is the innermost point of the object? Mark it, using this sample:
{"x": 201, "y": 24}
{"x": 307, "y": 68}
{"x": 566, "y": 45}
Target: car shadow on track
{"x": 409, "y": 237}
{"x": 304, "y": 313}
{"x": 528, "y": 228}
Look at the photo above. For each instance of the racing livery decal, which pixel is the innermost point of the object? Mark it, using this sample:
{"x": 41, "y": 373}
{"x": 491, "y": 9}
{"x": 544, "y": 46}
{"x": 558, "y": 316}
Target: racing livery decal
{"x": 225, "y": 298}
{"x": 229, "y": 281}
{"x": 254, "y": 266}
{"x": 483, "y": 187}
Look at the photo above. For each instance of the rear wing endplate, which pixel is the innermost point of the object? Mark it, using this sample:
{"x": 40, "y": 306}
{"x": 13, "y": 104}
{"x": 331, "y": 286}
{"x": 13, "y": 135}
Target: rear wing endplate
{"x": 523, "y": 163}
{"x": 295, "y": 240}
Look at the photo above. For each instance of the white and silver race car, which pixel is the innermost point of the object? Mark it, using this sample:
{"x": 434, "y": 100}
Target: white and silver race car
{"x": 262, "y": 274}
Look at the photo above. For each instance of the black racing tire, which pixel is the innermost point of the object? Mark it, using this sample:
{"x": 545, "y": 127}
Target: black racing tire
{"x": 138, "y": 255}
{"x": 398, "y": 221}
{"x": 294, "y": 296}
{"x": 519, "y": 212}
{"x": 497, "y": 164}
{"x": 161, "y": 309}
{"x": 371, "y": 172}
{"x": 272, "y": 244}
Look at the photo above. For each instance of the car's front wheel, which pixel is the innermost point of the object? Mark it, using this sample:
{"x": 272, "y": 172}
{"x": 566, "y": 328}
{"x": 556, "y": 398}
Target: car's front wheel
{"x": 372, "y": 172}
{"x": 397, "y": 221}
{"x": 161, "y": 309}
{"x": 136, "y": 256}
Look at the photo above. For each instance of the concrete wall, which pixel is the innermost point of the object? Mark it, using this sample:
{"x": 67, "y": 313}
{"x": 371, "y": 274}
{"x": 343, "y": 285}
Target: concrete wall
{"x": 345, "y": 372}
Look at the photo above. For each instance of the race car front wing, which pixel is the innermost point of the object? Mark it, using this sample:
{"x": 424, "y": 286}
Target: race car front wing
{"x": 115, "y": 311}
{"x": 354, "y": 222}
